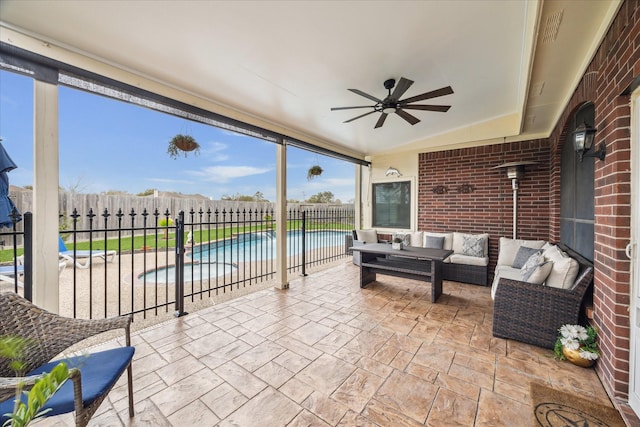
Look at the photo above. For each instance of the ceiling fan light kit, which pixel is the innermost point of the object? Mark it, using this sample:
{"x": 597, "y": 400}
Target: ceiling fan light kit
{"x": 393, "y": 104}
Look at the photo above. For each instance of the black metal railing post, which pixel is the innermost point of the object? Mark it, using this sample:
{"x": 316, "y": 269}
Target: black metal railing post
{"x": 28, "y": 256}
{"x": 303, "y": 230}
{"x": 179, "y": 266}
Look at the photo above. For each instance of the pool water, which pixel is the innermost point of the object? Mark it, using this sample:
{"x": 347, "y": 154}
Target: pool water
{"x": 262, "y": 246}
{"x": 192, "y": 273}
{"x": 219, "y": 258}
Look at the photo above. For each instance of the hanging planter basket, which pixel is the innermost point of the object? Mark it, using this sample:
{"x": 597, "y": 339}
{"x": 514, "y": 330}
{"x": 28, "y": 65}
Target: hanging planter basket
{"x": 182, "y": 144}
{"x": 313, "y": 172}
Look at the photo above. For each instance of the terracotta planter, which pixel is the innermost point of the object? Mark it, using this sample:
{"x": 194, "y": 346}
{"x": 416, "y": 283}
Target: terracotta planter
{"x": 573, "y": 356}
{"x": 185, "y": 144}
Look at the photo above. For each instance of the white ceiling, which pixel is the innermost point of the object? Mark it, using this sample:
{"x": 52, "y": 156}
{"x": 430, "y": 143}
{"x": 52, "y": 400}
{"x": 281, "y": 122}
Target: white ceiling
{"x": 286, "y": 63}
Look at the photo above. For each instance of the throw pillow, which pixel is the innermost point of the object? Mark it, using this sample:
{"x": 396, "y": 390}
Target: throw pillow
{"x": 530, "y": 266}
{"x": 367, "y": 236}
{"x": 540, "y": 273}
{"x": 417, "y": 238}
{"x": 564, "y": 273}
{"x": 509, "y": 247}
{"x": 433, "y": 242}
{"x": 448, "y": 238}
{"x": 473, "y": 246}
{"x": 523, "y": 254}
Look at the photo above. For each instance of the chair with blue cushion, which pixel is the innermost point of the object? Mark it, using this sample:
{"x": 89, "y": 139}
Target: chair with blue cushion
{"x": 91, "y": 376}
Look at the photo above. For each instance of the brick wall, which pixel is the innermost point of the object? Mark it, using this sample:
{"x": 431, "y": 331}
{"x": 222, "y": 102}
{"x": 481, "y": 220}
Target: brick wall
{"x": 489, "y": 207}
{"x": 612, "y": 70}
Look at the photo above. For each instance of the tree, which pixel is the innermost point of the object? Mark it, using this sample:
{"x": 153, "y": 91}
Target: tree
{"x": 148, "y": 192}
{"x": 257, "y": 197}
{"x": 115, "y": 193}
{"x": 77, "y": 187}
{"x": 322, "y": 197}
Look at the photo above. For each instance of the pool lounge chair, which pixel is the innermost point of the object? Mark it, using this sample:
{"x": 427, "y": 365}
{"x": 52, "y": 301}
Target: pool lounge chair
{"x": 8, "y": 272}
{"x": 82, "y": 259}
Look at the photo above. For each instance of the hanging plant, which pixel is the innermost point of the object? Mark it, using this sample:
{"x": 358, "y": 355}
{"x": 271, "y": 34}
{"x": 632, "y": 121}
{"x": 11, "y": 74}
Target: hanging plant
{"x": 184, "y": 144}
{"x": 313, "y": 172}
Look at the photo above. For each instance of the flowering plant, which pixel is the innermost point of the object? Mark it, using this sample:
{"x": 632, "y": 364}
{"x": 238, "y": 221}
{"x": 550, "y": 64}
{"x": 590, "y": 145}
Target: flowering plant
{"x": 576, "y": 337}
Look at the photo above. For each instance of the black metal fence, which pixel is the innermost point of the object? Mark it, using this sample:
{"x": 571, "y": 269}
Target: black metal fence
{"x": 150, "y": 263}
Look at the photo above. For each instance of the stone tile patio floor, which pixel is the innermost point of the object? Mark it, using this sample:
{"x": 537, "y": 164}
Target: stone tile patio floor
{"x": 327, "y": 353}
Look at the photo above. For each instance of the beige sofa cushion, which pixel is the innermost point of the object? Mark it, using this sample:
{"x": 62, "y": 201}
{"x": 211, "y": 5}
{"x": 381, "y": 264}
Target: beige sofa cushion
{"x": 509, "y": 248}
{"x": 540, "y": 273}
{"x": 448, "y": 239}
{"x": 367, "y": 236}
{"x": 536, "y": 269}
{"x": 417, "y": 239}
{"x": 504, "y": 271}
{"x": 565, "y": 269}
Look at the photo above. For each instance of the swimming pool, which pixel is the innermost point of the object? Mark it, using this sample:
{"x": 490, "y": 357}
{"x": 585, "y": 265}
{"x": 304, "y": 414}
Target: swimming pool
{"x": 219, "y": 258}
{"x": 262, "y": 246}
{"x": 192, "y": 272}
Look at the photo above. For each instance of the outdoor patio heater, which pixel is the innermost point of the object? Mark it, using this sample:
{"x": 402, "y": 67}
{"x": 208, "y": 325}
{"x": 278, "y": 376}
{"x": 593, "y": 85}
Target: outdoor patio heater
{"x": 515, "y": 171}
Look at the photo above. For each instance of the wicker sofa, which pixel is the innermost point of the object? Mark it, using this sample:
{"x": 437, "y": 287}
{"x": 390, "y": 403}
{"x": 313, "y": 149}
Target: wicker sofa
{"x": 459, "y": 267}
{"x": 533, "y": 312}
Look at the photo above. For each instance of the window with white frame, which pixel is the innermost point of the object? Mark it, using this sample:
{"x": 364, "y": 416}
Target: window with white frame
{"x": 391, "y": 203}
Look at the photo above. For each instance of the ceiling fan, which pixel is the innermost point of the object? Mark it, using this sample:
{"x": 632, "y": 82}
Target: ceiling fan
{"x": 393, "y": 104}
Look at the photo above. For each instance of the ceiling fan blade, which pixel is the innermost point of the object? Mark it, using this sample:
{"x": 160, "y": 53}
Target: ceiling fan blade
{"x": 381, "y": 120}
{"x": 362, "y": 115}
{"x": 408, "y": 117}
{"x": 348, "y": 108}
{"x": 401, "y": 88}
{"x": 366, "y": 95}
{"x": 439, "y": 108}
{"x": 433, "y": 94}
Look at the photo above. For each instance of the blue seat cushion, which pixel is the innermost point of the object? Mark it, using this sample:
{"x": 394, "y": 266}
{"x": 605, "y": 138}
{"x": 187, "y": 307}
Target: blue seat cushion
{"x": 99, "y": 372}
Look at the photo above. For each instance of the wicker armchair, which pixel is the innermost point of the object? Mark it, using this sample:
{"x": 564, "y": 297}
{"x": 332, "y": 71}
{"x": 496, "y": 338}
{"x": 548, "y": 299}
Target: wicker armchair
{"x": 48, "y": 335}
{"x": 532, "y": 313}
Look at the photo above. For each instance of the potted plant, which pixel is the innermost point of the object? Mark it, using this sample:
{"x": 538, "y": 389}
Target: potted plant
{"x": 313, "y": 172}
{"x": 577, "y": 344}
{"x": 40, "y": 389}
{"x": 184, "y": 144}
{"x": 397, "y": 243}
{"x": 165, "y": 223}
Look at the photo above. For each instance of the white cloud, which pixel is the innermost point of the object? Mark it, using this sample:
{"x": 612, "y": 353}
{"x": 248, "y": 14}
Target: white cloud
{"x": 227, "y": 173}
{"x": 214, "y": 151}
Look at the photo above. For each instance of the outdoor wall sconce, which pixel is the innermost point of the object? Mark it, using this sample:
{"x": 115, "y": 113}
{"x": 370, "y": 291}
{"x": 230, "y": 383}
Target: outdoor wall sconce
{"x": 583, "y": 138}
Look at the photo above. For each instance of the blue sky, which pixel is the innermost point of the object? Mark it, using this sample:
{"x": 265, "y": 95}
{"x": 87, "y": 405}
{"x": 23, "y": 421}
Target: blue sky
{"x": 108, "y": 145}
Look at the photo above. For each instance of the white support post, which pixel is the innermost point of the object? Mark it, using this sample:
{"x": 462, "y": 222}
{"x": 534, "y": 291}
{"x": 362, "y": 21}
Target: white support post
{"x": 282, "y": 278}
{"x": 357, "y": 205}
{"x": 45, "y": 197}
